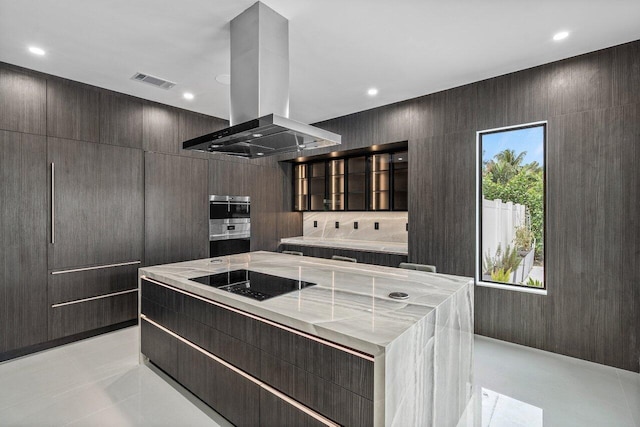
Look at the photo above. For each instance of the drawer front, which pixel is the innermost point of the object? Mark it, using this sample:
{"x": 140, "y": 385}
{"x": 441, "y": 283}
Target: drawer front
{"x": 333, "y": 382}
{"x": 77, "y": 285}
{"x": 160, "y": 347}
{"x": 337, "y": 403}
{"x": 343, "y": 369}
{"x": 231, "y": 349}
{"x": 275, "y": 412}
{"x": 234, "y": 397}
{"x": 85, "y": 316}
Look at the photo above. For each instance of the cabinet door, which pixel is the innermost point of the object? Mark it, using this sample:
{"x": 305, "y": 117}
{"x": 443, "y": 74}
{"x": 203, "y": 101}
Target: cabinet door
{"x": 72, "y": 110}
{"x": 120, "y": 120}
{"x": 22, "y": 101}
{"x": 23, "y": 227}
{"x": 97, "y": 204}
{"x": 176, "y": 209}
{"x": 317, "y": 186}
{"x": 160, "y": 131}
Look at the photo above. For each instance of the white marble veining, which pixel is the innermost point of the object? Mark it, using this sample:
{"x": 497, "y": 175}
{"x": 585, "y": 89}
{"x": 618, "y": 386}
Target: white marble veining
{"x": 422, "y": 346}
{"x": 392, "y": 226}
{"x": 358, "y": 245}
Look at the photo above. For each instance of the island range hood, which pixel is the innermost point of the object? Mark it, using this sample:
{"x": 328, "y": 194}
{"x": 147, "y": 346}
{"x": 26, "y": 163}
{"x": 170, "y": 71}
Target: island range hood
{"x": 259, "y": 101}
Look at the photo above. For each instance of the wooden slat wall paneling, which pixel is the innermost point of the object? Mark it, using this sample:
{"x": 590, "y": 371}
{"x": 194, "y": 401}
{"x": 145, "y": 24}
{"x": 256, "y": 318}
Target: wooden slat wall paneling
{"x": 23, "y": 227}
{"x": 176, "y": 209}
{"x": 22, "y": 101}
{"x": 120, "y": 120}
{"x": 98, "y": 204}
{"x": 72, "y": 110}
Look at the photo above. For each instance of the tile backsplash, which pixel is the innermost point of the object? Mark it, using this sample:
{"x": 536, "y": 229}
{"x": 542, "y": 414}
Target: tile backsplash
{"x": 340, "y": 225}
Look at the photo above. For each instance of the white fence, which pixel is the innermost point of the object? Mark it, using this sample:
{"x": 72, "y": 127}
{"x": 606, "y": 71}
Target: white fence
{"x": 499, "y": 222}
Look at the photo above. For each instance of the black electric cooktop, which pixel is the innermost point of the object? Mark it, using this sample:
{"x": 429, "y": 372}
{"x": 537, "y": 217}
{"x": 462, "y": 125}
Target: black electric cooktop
{"x": 252, "y": 284}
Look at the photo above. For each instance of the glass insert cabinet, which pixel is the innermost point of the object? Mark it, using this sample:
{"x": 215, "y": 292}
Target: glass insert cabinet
{"x": 371, "y": 182}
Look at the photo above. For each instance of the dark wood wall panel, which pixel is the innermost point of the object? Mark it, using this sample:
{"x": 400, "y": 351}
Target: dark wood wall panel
{"x": 120, "y": 120}
{"x": 23, "y": 231}
{"x": 73, "y": 110}
{"x": 591, "y": 103}
{"x": 160, "y": 128}
{"x": 269, "y": 187}
{"x": 176, "y": 209}
{"x": 192, "y": 125}
{"x": 23, "y": 98}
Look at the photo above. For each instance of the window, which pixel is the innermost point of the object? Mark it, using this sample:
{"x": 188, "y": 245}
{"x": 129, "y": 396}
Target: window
{"x": 511, "y": 207}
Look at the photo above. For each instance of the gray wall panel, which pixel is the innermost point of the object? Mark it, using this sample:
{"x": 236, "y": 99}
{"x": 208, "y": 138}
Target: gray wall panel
{"x": 592, "y": 104}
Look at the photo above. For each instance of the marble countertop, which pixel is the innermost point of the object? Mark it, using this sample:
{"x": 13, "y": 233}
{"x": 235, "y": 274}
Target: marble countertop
{"x": 359, "y": 245}
{"x": 349, "y": 305}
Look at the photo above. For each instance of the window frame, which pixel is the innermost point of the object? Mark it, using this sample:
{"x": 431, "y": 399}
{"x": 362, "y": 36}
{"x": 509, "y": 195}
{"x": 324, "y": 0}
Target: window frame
{"x": 478, "y": 252}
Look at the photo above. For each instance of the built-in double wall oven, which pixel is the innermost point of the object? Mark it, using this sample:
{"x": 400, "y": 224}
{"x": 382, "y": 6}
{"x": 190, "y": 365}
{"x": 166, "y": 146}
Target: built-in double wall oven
{"x": 229, "y": 225}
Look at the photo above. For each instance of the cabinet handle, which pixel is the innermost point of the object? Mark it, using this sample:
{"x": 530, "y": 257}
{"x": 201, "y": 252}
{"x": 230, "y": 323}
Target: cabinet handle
{"x": 53, "y": 203}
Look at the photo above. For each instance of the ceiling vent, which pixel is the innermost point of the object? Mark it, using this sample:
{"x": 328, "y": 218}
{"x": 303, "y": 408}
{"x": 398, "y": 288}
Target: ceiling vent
{"x": 152, "y": 80}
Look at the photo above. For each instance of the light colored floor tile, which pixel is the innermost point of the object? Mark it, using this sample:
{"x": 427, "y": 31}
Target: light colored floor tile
{"x": 630, "y": 382}
{"x": 568, "y": 391}
{"x": 98, "y": 382}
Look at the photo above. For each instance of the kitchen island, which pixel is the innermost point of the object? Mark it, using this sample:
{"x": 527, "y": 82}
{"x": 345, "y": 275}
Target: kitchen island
{"x": 339, "y": 351}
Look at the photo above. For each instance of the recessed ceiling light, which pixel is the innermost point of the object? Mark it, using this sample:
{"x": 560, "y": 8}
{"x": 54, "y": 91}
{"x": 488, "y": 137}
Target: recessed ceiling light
{"x": 36, "y": 50}
{"x": 561, "y": 35}
{"x": 260, "y": 154}
{"x": 257, "y": 135}
{"x": 188, "y": 95}
{"x": 224, "y": 79}
{"x": 372, "y": 92}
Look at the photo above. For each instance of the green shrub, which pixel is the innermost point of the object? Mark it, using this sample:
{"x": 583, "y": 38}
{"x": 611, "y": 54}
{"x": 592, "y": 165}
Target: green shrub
{"x": 524, "y": 238}
{"x": 500, "y": 275}
{"x": 507, "y": 260}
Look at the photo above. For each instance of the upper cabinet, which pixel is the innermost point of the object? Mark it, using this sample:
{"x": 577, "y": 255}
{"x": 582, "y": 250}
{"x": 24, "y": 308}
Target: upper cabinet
{"x": 73, "y": 110}
{"x": 371, "y": 182}
{"x": 23, "y": 98}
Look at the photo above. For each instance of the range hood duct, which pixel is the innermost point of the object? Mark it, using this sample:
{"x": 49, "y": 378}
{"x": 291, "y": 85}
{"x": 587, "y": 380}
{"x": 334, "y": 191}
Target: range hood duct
{"x": 259, "y": 101}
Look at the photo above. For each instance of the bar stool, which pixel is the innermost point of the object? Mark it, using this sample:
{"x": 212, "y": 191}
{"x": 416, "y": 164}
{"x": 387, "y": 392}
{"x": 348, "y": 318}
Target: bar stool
{"x": 293, "y": 253}
{"x": 419, "y": 267}
{"x": 343, "y": 258}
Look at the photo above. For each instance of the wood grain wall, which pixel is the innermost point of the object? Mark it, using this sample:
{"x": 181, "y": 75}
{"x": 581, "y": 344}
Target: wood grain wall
{"x": 592, "y": 104}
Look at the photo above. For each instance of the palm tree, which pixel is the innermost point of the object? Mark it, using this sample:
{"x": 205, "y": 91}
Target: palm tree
{"x": 505, "y": 165}
{"x": 509, "y": 157}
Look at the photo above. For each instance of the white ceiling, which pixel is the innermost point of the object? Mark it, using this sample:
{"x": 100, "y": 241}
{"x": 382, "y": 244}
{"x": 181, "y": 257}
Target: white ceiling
{"x": 338, "y": 48}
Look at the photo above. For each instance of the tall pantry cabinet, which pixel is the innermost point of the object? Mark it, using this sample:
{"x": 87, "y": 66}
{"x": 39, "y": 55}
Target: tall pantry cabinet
{"x": 73, "y": 220}
{"x": 71, "y": 213}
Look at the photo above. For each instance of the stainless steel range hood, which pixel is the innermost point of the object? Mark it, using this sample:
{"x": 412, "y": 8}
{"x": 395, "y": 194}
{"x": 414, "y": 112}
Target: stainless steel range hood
{"x": 259, "y": 101}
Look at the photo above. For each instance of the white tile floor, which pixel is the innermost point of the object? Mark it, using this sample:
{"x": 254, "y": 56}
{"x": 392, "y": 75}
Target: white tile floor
{"x": 98, "y": 382}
